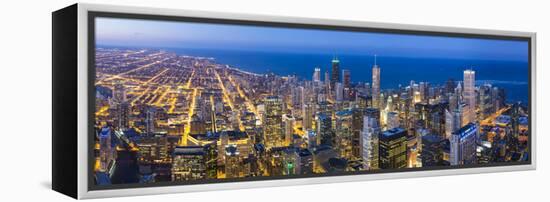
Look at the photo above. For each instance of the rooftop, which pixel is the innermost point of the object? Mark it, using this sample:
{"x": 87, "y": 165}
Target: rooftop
{"x": 231, "y": 150}
{"x": 467, "y": 130}
{"x": 343, "y": 113}
{"x": 394, "y": 132}
{"x": 189, "y": 150}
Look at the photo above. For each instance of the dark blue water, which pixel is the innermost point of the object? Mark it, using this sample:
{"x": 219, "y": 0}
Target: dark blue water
{"x": 510, "y": 75}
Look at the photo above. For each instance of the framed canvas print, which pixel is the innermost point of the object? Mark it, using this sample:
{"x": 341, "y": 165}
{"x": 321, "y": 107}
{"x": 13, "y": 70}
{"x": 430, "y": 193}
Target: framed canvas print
{"x": 149, "y": 101}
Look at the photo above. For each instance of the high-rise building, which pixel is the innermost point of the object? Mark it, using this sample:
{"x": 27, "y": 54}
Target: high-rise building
{"x": 369, "y": 135}
{"x": 298, "y": 97}
{"x": 335, "y": 72}
{"x": 307, "y": 116}
{"x": 357, "y": 127}
{"x": 376, "y": 85}
{"x": 291, "y": 161}
{"x": 432, "y": 150}
{"x": 363, "y": 101}
{"x": 327, "y": 82}
{"x": 499, "y": 98}
{"x": 393, "y": 148}
{"x": 423, "y": 88}
{"x": 312, "y": 139}
{"x": 119, "y": 92}
{"x": 344, "y": 136}
{"x": 197, "y": 125}
{"x": 469, "y": 94}
{"x": 288, "y": 122}
{"x": 150, "y": 113}
{"x": 485, "y": 101}
{"x": 105, "y": 149}
{"x": 273, "y": 125}
{"x": 453, "y": 101}
{"x": 433, "y": 116}
{"x": 346, "y": 78}
{"x": 463, "y": 145}
{"x": 324, "y": 129}
{"x": 453, "y": 121}
{"x": 189, "y": 163}
{"x": 374, "y": 113}
{"x": 450, "y": 86}
{"x": 211, "y": 160}
{"x": 153, "y": 149}
{"x": 126, "y": 168}
{"x": 339, "y": 91}
{"x": 393, "y": 120}
{"x": 123, "y": 112}
{"x": 317, "y": 75}
{"x": 462, "y": 111}
{"x": 233, "y": 160}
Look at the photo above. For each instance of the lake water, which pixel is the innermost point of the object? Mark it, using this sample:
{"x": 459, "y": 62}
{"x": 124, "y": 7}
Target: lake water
{"x": 510, "y": 75}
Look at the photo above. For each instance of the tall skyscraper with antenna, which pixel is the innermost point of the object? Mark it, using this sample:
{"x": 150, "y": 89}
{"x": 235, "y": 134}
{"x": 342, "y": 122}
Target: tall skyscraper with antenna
{"x": 375, "y": 84}
{"x": 335, "y": 72}
{"x": 469, "y": 94}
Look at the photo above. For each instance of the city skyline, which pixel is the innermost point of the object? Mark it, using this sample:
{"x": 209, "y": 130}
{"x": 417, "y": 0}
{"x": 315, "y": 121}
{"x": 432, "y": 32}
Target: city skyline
{"x": 167, "y": 116}
{"x": 191, "y": 131}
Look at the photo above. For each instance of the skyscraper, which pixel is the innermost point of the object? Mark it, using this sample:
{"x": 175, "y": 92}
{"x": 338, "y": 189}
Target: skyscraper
{"x": 307, "y": 116}
{"x": 312, "y": 139}
{"x": 357, "y": 128}
{"x": 450, "y": 86}
{"x": 123, "y": 111}
{"x": 392, "y": 120}
{"x": 393, "y": 148}
{"x": 233, "y": 160}
{"x": 374, "y": 113}
{"x": 197, "y": 125}
{"x": 273, "y": 127}
{"x": 327, "y": 81}
{"x": 346, "y": 78}
{"x": 423, "y": 90}
{"x": 105, "y": 149}
{"x": 119, "y": 92}
{"x": 453, "y": 121}
{"x": 469, "y": 94}
{"x": 188, "y": 163}
{"x": 317, "y": 75}
{"x": 485, "y": 100}
{"x": 335, "y": 72}
{"x": 150, "y": 119}
{"x": 369, "y": 135}
{"x": 288, "y": 122}
{"x": 463, "y": 145}
{"x": 324, "y": 129}
{"x": 432, "y": 150}
{"x": 298, "y": 96}
{"x": 344, "y": 136}
{"x": 375, "y": 85}
{"x": 499, "y": 97}
{"x": 339, "y": 91}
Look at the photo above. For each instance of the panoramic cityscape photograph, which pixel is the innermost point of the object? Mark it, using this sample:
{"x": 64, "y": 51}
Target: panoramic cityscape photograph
{"x": 193, "y": 102}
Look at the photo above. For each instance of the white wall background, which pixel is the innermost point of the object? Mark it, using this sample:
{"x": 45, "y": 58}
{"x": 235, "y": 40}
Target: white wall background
{"x": 25, "y": 98}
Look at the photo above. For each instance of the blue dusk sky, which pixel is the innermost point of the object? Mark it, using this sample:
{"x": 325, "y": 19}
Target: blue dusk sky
{"x": 169, "y": 34}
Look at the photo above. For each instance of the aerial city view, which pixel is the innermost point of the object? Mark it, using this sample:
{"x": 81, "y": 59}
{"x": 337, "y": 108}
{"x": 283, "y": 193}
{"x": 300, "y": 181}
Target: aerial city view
{"x": 180, "y": 102}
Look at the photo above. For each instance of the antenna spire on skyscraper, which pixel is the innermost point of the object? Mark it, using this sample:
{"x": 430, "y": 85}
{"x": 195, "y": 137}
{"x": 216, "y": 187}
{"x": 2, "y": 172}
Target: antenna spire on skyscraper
{"x": 375, "y": 59}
